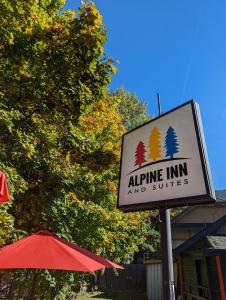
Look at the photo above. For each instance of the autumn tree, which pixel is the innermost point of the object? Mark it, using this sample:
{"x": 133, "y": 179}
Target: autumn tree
{"x": 155, "y": 144}
{"x": 132, "y": 109}
{"x": 60, "y": 135}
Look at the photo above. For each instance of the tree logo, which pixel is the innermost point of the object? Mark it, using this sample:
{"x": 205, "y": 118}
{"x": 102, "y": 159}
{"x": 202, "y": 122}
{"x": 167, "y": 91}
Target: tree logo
{"x": 155, "y": 147}
{"x": 171, "y": 144}
{"x": 140, "y": 154}
{"x": 155, "y": 144}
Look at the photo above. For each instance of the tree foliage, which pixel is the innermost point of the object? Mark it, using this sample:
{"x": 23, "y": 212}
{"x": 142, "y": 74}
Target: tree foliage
{"x": 132, "y": 109}
{"x": 60, "y": 134}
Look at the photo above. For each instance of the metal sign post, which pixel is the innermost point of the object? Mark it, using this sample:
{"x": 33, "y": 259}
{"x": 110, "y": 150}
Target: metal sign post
{"x": 166, "y": 246}
{"x": 167, "y": 255}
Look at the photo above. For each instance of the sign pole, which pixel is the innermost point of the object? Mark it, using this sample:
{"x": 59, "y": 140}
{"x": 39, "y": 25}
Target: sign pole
{"x": 166, "y": 247}
{"x": 167, "y": 255}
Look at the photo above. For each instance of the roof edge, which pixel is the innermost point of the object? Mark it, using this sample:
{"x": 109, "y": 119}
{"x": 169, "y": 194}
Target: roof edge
{"x": 208, "y": 230}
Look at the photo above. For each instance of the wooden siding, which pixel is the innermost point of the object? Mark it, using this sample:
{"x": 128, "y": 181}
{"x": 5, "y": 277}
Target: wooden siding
{"x": 193, "y": 288}
{"x": 182, "y": 234}
{"x": 176, "y": 243}
{"x": 221, "y": 229}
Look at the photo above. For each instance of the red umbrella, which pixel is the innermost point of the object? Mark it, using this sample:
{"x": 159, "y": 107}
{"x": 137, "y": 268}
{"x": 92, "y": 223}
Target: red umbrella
{"x": 4, "y": 194}
{"x": 45, "y": 250}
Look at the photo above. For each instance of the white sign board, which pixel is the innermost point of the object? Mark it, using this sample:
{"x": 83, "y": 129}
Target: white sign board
{"x": 164, "y": 163}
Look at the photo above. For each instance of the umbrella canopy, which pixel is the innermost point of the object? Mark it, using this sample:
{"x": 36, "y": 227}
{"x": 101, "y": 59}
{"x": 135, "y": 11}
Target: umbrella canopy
{"x": 45, "y": 250}
{"x": 4, "y": 194}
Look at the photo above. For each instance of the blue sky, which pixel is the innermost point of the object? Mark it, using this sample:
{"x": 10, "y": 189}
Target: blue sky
{"x": 177, "y": 48}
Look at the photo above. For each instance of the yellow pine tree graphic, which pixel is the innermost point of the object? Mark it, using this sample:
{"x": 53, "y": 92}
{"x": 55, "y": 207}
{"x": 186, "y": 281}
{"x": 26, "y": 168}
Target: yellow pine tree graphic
{"x": 155, "y": 144}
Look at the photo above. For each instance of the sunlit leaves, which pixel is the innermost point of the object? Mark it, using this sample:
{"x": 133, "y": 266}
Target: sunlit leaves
{"x": 61, "y": 131}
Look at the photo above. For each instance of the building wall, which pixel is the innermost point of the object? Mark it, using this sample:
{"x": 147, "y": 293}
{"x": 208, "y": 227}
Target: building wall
{"x": 199, "y": 214}
{"x": 204, "y": 214}
{"x": 221, "y": 229}
{"x": 176, "y": 243}
{"x": 192, "y": 284}
{"x": 183, "y": 233}
{"x": 180, "y": 235}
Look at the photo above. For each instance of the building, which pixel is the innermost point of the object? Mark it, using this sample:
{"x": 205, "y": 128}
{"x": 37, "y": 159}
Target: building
{"x": 199, "y": 246}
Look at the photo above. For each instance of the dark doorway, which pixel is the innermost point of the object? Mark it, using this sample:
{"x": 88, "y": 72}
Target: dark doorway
{"x": 198, "y": 266}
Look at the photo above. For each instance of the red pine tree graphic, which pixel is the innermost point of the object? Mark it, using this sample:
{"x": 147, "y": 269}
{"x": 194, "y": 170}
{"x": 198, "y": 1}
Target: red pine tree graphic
{"x": 139, "y": 155}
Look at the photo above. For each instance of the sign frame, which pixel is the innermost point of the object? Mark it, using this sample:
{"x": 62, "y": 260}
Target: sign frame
{"x": 207, "y": 198}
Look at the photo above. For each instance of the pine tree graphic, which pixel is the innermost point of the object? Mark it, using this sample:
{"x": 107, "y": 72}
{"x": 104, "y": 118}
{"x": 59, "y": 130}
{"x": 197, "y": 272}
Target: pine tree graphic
{"x": 155, "y": 144}
{"x": 171, "y": 144}
{"x": 140, "y": 154}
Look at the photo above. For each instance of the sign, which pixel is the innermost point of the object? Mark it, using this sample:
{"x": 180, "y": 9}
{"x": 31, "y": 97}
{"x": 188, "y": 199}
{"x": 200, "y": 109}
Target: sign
{"x": 164, "y": 162}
